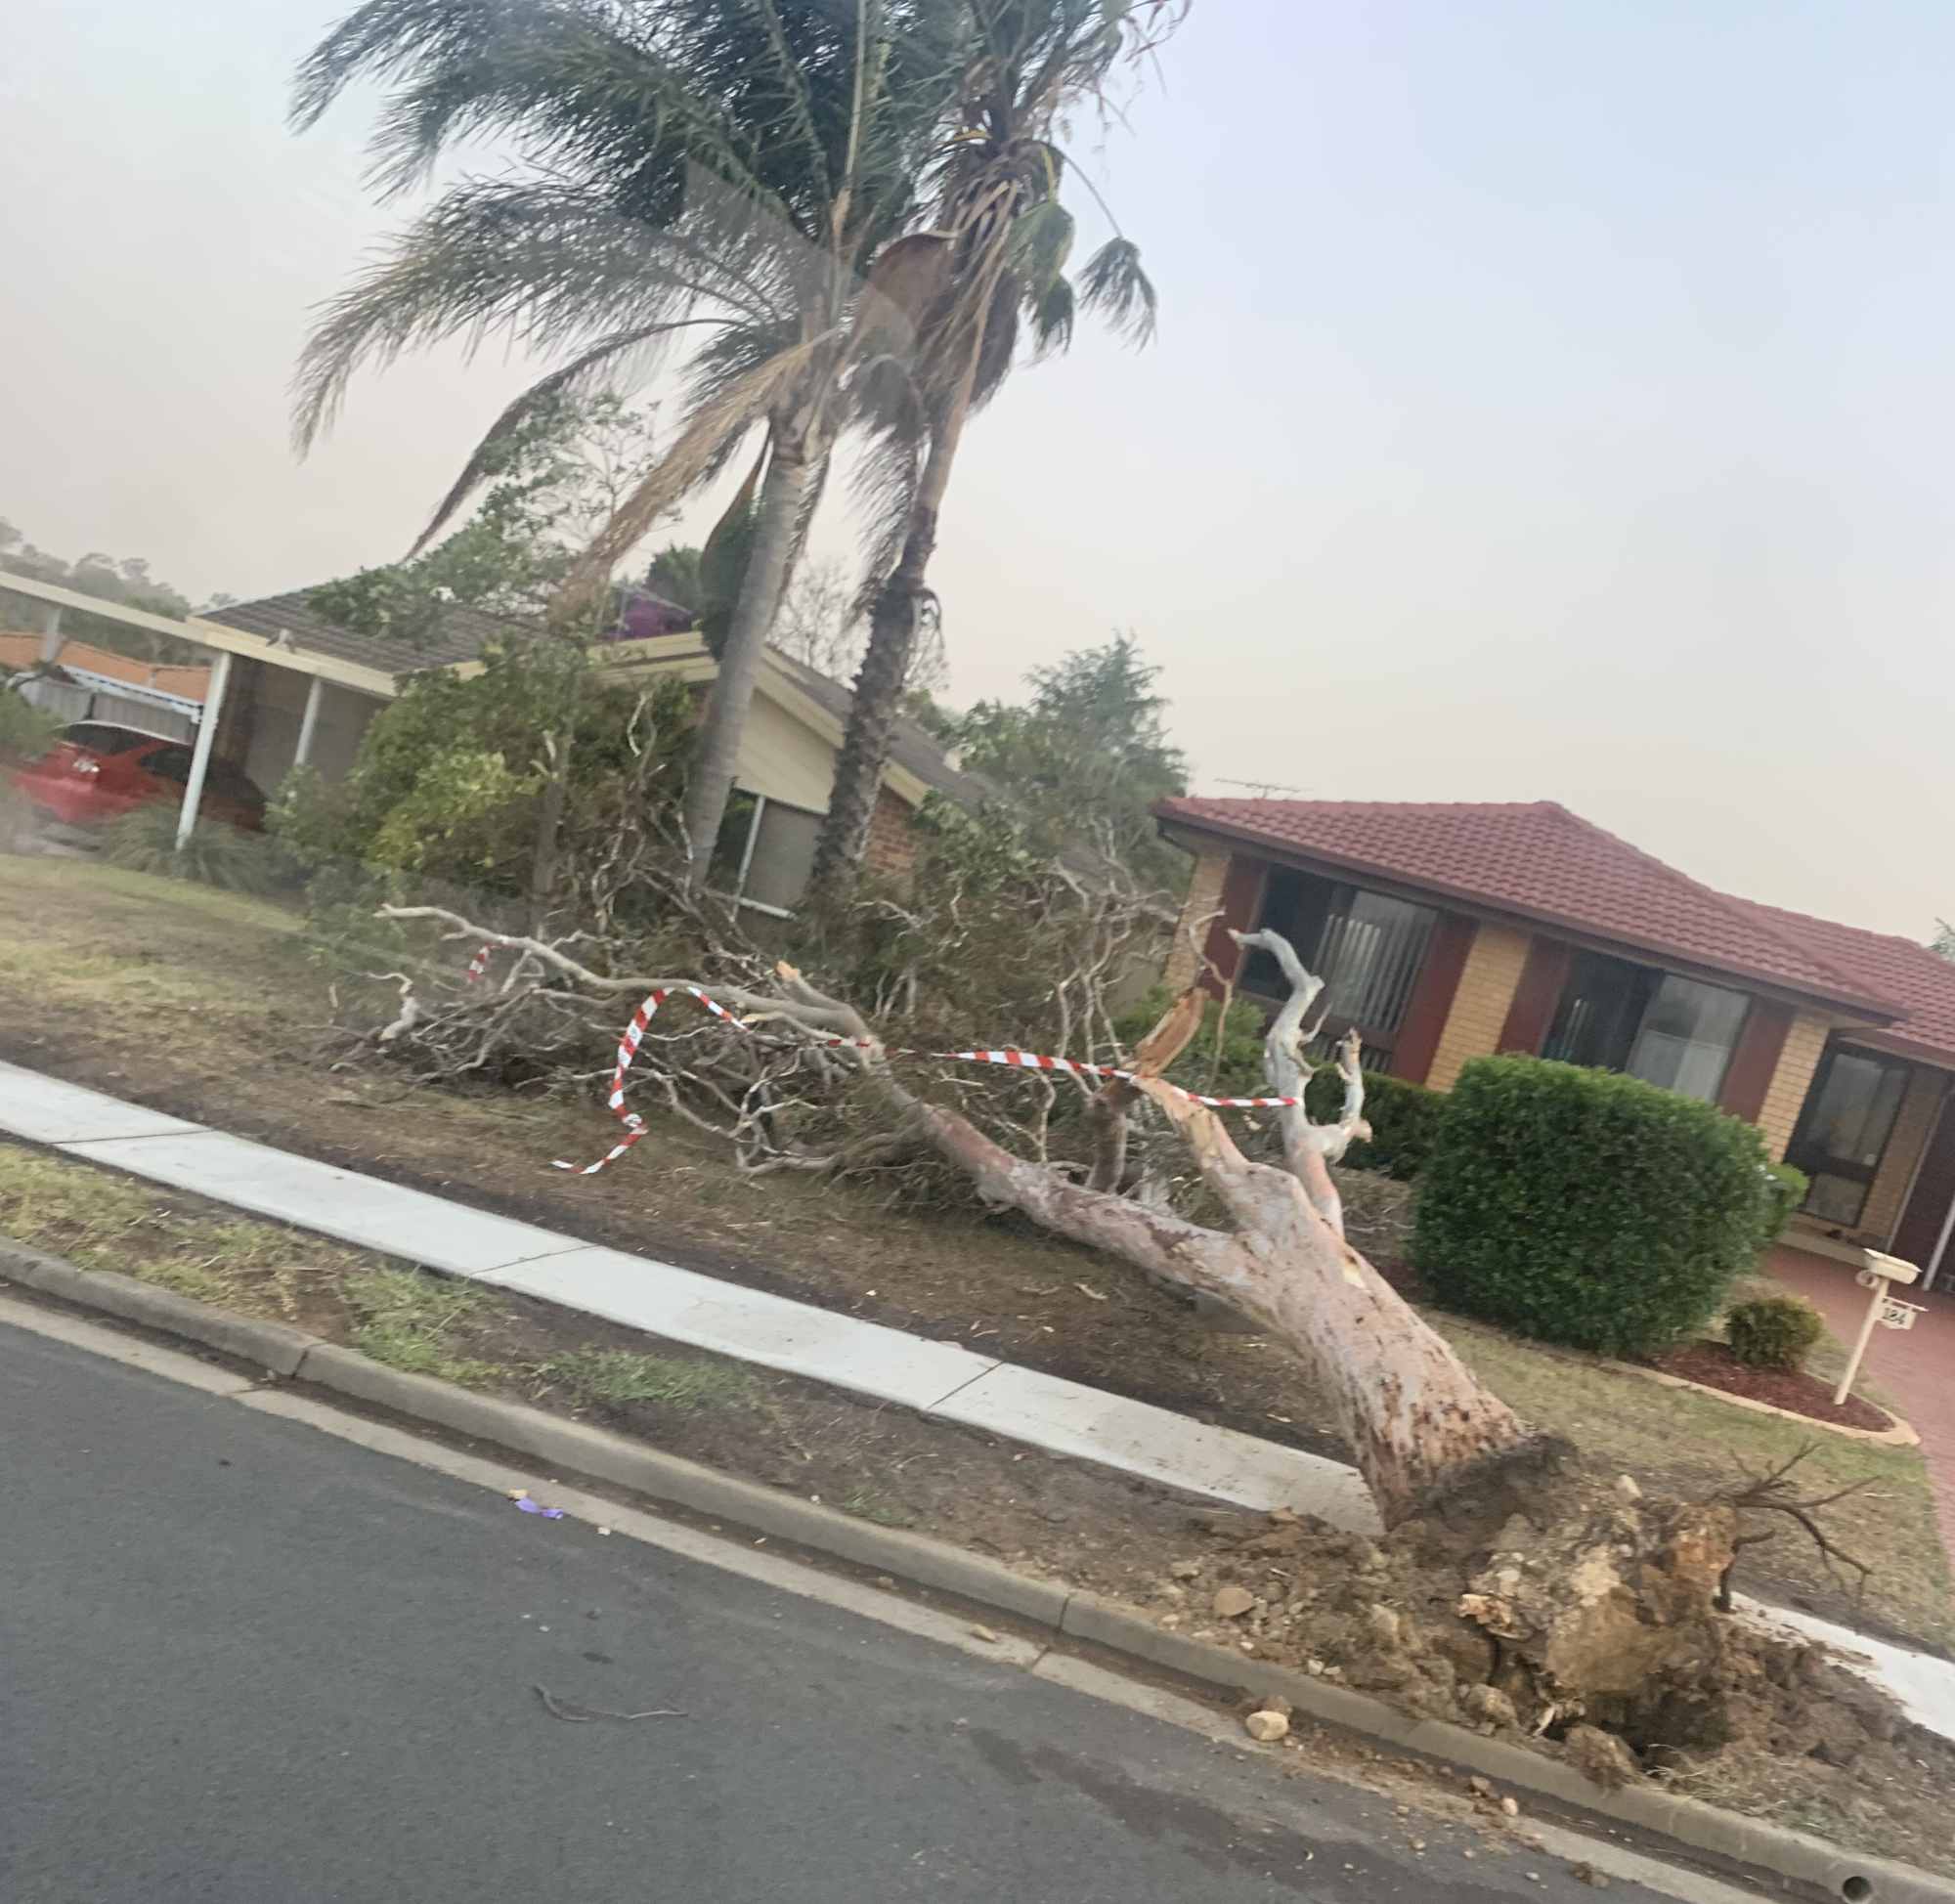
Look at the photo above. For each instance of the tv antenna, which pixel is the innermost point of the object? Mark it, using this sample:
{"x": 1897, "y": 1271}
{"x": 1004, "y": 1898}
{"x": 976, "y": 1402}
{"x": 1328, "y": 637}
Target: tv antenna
{"x": 1263, "y": 789}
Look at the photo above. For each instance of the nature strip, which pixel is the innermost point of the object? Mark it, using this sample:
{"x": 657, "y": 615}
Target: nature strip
{"x": 1026, "y": 1061}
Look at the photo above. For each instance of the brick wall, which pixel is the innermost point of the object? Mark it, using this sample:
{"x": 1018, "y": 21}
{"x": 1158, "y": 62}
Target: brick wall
{"x": 1792, "y": 1078}
{"x": 1481, "y": 1002}
{"x": 891, "y": 848}
{"x": 1204, "y": 895}
{"x": 1912, "y": 1125}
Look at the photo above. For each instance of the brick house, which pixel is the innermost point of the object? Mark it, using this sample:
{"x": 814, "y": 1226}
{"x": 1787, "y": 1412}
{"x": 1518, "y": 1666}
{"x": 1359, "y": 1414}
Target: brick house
{"x": 1447, "y": 932}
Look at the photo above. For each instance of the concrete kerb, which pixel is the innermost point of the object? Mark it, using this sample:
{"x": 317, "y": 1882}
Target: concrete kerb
{"x": 1753, "y": 1843}
{"x": 272, "y": 1345}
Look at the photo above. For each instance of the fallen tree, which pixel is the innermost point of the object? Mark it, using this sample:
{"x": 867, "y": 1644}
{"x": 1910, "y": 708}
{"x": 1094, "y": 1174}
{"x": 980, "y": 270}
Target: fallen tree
{"x": 1516, "y": 1586}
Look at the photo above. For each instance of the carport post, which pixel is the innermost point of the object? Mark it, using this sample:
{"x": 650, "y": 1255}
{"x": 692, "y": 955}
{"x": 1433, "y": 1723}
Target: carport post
{"x": 207, "y": 733}
{"x": 307, "y": 721}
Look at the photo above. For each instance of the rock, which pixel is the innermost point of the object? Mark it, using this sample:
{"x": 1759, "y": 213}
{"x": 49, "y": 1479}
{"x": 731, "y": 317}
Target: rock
{"x": 1586, "y": 1874}
{"x": 1490, "y": 1707}
{"x": 1266, "y": 1726}
{"x": 1185, "y": 1569}
{"x": 1511, "y": 1807}
{"x": 1602, "y": 1757}
{"x": 985, "y": 1634}
{"x": 1232, "y": 1602}
{"x": 1627, "y": 1488}
{"x": 1387, "y": 1627}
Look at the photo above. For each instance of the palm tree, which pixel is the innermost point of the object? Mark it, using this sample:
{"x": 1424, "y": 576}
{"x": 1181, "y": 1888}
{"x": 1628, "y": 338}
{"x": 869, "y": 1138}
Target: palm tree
{"x": 714, "y": 172}
{"x": 995, "y": 258}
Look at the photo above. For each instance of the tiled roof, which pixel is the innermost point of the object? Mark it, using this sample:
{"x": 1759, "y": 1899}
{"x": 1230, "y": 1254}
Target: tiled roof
{"x": 23, "y": 651}
{"x": 1920, "y": 984}
{"x": 1538, "y": 861}
{"x": 460, "y": 635}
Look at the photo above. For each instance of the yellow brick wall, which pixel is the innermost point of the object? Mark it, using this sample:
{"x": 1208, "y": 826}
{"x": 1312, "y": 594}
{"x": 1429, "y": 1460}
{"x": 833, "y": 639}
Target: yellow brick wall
{"x": 1480, "y": 1004}
{"x": 1792, "y": 1078}
{"x": 1204, "y": 897}
{"x": 1891, "y": 1183}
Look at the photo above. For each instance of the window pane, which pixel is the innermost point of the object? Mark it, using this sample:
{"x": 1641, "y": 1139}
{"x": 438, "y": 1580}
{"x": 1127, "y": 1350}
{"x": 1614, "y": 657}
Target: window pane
{"x": 1370, "y": 957}
{"x": 1855, "y": 1109}
{"x": 1595, "y": 1021}
{"x": 1835, "y": 1199}
{"x": 1687, "y": 1036}
{"x": 783, "y": 856}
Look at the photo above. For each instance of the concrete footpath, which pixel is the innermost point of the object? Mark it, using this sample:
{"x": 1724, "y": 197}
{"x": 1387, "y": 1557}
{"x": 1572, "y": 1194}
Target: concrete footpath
{"x": 939, "y": 1379}
{"x": 935, "y": 1378}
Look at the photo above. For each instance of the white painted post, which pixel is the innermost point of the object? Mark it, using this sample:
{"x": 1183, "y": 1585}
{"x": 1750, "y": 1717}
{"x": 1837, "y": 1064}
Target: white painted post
{"x": 207, "y": 733}
{"x": 307, "y": 722}
{"x": 51, "y": 634}
{"x": 1878, "y": 1286}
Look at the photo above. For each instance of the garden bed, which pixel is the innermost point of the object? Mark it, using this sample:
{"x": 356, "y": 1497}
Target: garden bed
{"x": 1711, "y": 1365}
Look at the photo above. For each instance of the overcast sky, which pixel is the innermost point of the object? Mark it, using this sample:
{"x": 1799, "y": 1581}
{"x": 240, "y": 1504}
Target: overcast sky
{"x": 1552, "y": 401}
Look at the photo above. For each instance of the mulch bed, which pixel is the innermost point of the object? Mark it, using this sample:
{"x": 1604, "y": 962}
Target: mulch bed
{"x": 1716, "y": 1367}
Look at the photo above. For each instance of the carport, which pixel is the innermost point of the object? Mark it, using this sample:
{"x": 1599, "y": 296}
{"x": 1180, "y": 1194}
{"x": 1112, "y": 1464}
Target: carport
{"x": 40, "y": 606}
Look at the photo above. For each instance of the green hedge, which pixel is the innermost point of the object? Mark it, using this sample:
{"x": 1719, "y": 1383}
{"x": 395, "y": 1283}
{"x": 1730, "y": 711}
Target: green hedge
{"x": 1785, "y": 1191}
{"x": 1405, "y": 1120}
{"x": 1579, "y": 1206}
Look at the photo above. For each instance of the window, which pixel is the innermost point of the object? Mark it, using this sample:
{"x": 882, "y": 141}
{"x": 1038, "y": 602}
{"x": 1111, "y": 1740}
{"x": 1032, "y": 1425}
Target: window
{"x": 169, "y": 763}
{"x": 1368, "y": 949}
{"x": 765, "y": 852}
{"x": 1666, "y": 1030}
{"x": 1843, "y": 1130}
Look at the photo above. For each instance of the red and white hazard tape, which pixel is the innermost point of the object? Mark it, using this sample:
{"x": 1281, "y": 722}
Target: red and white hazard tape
{"x": 478, "y": 965}
{"x": 1024, "y": 1060}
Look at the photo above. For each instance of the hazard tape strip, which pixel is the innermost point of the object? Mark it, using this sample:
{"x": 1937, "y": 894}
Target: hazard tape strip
{"x": 478, "y": 965}
{"x": 636, "y": 1127}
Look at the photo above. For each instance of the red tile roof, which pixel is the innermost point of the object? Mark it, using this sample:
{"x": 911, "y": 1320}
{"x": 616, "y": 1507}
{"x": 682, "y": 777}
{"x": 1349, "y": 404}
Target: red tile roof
{"x": 1921, "y": 985}
{"x": 19, "y": 652}
{"x": 1538, "y": 861}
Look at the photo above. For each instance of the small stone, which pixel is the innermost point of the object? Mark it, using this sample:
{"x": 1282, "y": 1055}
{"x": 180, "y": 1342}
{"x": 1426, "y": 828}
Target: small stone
{"x": 1586, "y": 1874}
{"x": 1232, "y": 1602}
{"x": 1467, "y": 1853}
{"x": 1481, "y": 1785}
{"x": 1386, "y": 1628}
{"x": 1627, "y": 1488}
{"x": 1511, "y": 1807}
{"x": 604, "y": 1531}
{"x": 985, "y": 1634}
{"x": 1602, "y": 1757}
{"x": 886, "y": 1580}
{"x": 1266, "y": 1727}
{"x": 1418, "y": 1844}
{"x": 1312, "y": 1666}
{"x": 1490, "y": 1707}
{"x": 1185, "y": 1569}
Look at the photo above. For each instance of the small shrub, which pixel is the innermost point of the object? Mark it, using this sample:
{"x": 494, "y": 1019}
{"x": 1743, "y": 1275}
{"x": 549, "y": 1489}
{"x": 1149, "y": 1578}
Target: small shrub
{"x": 1583, "y": 1207}
{"x": 26, "y": 730}
{"x": 1774, "y": 1331}
{"x": 216, "y": 854}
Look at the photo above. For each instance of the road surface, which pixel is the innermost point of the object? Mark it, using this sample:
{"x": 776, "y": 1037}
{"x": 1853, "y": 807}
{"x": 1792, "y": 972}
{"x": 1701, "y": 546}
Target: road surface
{"x": 242, "y": 1659}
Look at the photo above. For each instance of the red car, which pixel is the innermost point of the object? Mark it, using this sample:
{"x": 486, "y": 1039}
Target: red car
{"x": 97, "y": 772}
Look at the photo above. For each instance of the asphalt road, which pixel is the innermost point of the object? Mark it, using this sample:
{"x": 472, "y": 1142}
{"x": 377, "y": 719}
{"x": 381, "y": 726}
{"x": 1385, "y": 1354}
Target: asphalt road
{"x": 240, "y": 1659}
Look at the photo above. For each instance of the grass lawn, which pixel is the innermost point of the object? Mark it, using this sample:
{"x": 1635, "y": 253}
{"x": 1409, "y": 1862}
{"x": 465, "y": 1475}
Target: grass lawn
{"x": 207, "y": 1005}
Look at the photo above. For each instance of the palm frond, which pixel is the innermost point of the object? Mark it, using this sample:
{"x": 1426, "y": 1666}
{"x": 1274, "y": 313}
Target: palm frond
{"x": 540, "y": 264}
{"x": 1052, "y": 313}
{"x": 571, "y": 380}
{"x": 1041, "y": 241}
{"x": 1114, "y": 287}
{"x": 700, "y": 447}
{"x": 1000, "y": 340}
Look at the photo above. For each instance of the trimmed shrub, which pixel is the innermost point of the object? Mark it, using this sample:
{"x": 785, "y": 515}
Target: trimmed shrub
{"x": 1405, "y": 1120}
{"x": 1774, "y": 1331}
{"x": 1584, "y": 1207}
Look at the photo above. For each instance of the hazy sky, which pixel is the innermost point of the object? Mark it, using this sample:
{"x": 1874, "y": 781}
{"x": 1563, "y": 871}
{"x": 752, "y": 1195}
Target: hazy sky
{"x": 1552, "y": 401}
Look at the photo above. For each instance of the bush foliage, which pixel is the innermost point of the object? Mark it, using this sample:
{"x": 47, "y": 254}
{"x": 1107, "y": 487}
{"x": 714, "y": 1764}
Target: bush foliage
{"x": 1785, "y": 1190}
{"x": 145, "y": 841}
{"x": 1404, "y": 1117}
{"x": 1773, "y": 1331}
{"x": 1584, "y": 1207}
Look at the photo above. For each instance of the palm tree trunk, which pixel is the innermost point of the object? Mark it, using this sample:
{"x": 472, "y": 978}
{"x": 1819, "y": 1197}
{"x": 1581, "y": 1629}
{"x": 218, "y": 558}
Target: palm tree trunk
{"x": 893, "y": 626}
{"x": 789, "y": 472}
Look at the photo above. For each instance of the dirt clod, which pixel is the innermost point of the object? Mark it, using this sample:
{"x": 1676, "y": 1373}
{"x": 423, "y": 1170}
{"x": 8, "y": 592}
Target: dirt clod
{"x": 1602, "y": 1757}
{"x": 1232, "y": 1602}
{"x": 1268, "y": 1727}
